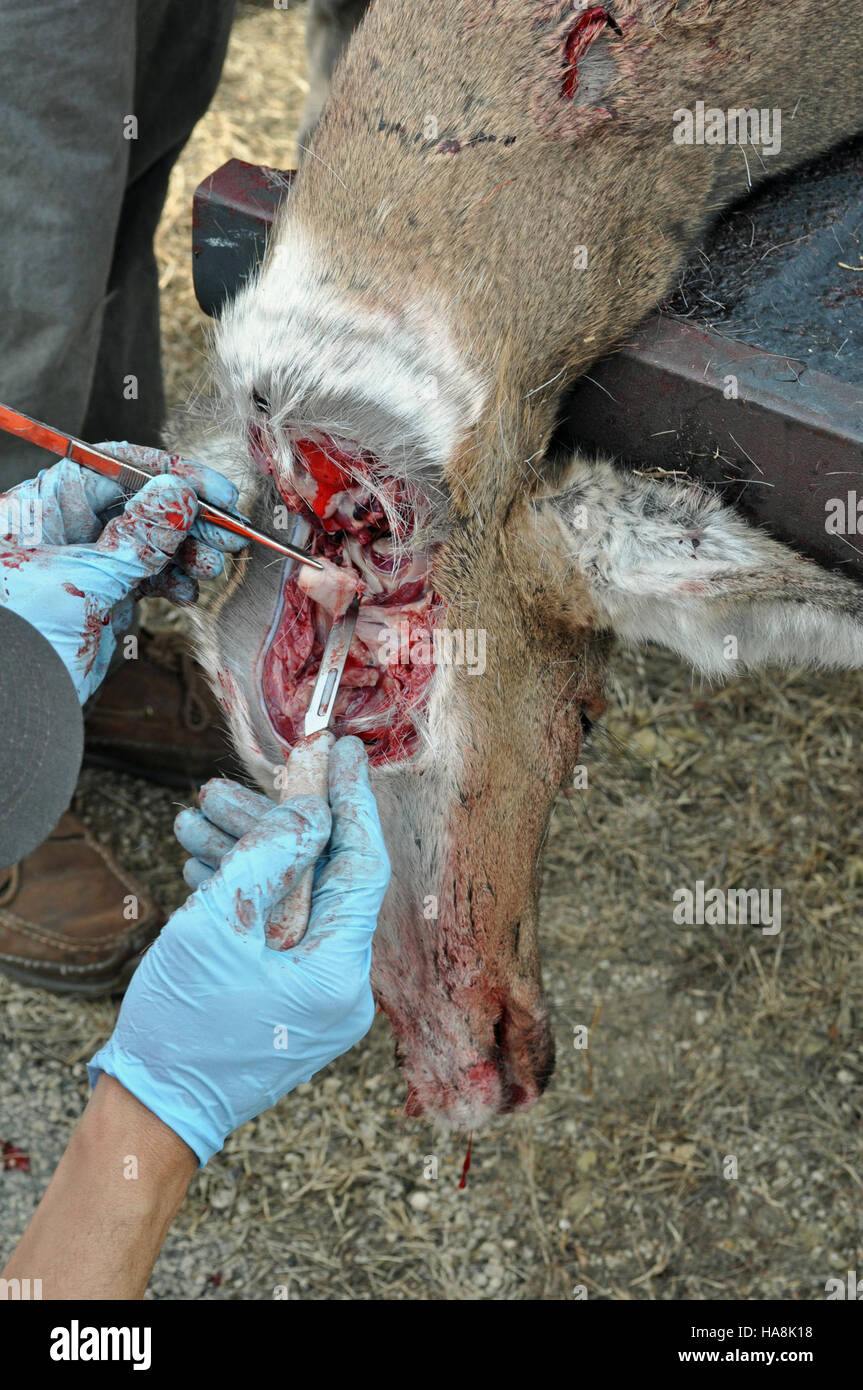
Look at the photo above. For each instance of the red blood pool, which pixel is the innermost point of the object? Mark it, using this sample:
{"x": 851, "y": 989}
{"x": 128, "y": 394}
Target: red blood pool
{"x": 325, "y": 466}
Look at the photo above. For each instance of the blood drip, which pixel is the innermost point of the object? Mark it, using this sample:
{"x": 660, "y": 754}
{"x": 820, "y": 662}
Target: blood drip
{"x": 466, "y": 1165}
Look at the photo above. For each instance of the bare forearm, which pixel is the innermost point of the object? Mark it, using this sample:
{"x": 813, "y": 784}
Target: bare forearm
{"x": 100, "y": 1226}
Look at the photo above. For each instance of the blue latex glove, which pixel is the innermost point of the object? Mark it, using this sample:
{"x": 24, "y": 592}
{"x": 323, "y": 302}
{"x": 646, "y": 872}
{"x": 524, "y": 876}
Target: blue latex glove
{"x": 215, "y": 1026}
{"x": 228, "y": 812}
{"x": 75, "y": 578}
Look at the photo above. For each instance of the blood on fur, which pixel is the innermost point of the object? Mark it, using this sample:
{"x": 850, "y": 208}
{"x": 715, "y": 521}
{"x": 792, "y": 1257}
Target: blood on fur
{"x": 587, "y": 27}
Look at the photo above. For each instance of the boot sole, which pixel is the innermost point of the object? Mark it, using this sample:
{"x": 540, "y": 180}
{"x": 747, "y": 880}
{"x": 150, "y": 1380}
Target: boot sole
{"x": 92, "y": 989}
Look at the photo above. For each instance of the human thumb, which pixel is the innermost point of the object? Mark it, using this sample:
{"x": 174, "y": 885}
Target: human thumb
{"x": 265, "y": 864}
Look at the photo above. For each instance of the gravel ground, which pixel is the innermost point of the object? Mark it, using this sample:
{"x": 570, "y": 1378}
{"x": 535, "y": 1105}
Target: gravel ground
{"x": 707, "y": 1044}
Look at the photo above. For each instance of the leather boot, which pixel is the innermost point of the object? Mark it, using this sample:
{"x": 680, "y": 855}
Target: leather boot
{"x": 155, "y": 717}
{"x": 71, "y": 920}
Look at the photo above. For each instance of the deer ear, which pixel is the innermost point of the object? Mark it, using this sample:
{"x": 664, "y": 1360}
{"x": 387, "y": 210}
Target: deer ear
{"x": 668, "y": 563}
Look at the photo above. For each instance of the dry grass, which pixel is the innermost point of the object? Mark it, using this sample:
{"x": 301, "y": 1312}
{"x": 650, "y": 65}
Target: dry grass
{"x": 707, "y": 1042}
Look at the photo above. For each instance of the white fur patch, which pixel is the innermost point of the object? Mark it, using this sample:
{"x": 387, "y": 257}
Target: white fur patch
{"x": 393, "y": 380}
{"x": 668, "y": 563}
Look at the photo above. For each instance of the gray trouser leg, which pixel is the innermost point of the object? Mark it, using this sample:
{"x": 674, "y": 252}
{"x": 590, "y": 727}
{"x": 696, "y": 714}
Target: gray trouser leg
{"x": 79, "y": 203}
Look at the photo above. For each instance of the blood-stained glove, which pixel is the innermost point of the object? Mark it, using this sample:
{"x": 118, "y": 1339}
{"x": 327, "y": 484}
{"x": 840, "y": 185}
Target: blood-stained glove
{"x": 228, "y": 812}
{"x": 216, "y": 1026}
{"x": 75, "y": 578}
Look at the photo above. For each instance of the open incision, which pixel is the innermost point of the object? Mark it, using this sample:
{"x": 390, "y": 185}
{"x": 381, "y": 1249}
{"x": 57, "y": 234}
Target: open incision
{"x": 366, "y": 529}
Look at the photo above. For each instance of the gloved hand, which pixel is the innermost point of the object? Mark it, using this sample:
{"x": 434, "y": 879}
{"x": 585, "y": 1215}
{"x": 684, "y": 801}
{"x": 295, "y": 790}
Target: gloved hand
{"x": 215, "y": 1026}
{"x": 75, "y": 578}
{"x": 228, "y": 812}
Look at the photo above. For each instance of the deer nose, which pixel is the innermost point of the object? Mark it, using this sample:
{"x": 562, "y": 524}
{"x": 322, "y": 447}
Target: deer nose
{"x": 524, "y": 1054}
{"x": 510, "y": 1073}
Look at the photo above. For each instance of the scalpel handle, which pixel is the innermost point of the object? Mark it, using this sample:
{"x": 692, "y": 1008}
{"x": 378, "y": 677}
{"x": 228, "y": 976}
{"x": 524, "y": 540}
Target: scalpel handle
{"x": 130, "y": 478}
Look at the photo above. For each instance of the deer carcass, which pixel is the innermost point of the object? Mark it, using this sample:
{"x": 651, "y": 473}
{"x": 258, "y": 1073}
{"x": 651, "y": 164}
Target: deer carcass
{"x": 493, "y": 197}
